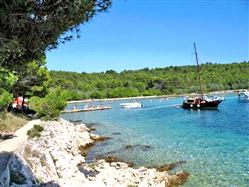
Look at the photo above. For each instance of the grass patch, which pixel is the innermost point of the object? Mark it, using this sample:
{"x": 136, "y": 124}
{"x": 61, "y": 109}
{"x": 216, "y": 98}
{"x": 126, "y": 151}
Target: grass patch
{"x": 10, "y": 123}
{"x": 35, "y": 131}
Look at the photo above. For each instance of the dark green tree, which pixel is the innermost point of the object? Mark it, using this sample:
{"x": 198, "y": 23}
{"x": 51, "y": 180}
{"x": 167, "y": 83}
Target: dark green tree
{"x": 32, "y": 79}
{"x": 29, "y": 27}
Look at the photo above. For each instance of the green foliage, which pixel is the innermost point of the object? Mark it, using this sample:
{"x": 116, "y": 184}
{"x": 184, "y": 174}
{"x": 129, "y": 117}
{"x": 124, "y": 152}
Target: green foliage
{"x": 5, "y": 99}
{"x": 33, "y": 78}
{"x": 147, "y": 82}
{"x": 7, "y": 79}
{"x": 50, "y": 106}
{"x": 35, "y": 131}
{"x": 29, "y": 28}
{"x": 123, "y": 92}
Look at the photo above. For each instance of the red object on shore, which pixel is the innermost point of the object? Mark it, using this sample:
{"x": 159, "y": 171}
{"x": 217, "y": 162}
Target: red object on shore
{"x": 19, "y": 100}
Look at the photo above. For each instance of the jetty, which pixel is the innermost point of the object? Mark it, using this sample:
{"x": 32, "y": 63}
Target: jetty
{"x": 87, "y": 109}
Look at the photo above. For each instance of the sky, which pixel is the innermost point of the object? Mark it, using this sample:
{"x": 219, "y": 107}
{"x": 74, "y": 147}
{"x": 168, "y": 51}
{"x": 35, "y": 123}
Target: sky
{"x": 135, "y": 34}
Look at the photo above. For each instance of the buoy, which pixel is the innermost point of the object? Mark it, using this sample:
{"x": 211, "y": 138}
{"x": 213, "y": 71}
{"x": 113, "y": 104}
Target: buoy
{"x": 191, "y": 105}
{"x": 198, "y": 105}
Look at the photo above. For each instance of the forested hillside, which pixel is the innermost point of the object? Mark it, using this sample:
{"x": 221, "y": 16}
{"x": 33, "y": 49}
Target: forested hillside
{"x": 157, "y": 81}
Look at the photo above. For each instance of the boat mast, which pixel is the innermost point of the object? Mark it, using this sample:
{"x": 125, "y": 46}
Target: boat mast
{"x": 198, "y": 71}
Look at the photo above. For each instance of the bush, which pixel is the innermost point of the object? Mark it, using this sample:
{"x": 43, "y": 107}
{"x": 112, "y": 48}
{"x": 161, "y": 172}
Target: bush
{"x": 35, "y": 131}
{"x": 5, "y": 99}
{"x": 50, "y": 106}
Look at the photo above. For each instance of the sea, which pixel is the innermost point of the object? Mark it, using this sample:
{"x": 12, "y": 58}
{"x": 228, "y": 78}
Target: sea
{"x": 211, "y": 145}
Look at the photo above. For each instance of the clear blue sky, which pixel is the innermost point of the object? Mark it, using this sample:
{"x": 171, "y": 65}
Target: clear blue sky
{"x": 135, "y": 34}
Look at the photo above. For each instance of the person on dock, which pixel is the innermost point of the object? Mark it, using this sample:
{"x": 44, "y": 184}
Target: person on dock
{"x": 75, "y": 107}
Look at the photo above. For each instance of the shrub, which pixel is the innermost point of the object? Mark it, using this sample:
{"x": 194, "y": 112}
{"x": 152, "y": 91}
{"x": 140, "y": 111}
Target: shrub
{"x": 50, "y": 106}
{"x": 35, "y": 131}
{"x": 5, "y": 99}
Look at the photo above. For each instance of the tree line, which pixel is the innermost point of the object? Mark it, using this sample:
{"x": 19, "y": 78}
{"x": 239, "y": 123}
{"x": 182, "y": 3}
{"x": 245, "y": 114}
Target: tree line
{"x": 157, "y": 81}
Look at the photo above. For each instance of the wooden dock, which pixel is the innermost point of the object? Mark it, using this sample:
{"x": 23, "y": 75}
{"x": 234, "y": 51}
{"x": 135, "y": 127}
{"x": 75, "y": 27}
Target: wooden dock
{"x": 86, "y": 109}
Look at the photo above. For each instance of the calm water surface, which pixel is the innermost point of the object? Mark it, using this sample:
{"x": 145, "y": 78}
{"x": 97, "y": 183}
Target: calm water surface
{"x": 214, "y": 144}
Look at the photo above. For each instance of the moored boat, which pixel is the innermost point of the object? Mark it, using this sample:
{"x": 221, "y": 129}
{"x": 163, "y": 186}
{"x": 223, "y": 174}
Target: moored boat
{"x": 243, "y": 95}
{"x": 202, "y": 101}
{"x": 131, "y": 105}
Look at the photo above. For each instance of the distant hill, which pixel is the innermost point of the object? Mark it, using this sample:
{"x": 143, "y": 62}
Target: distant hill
{"x": 156, "y": 81}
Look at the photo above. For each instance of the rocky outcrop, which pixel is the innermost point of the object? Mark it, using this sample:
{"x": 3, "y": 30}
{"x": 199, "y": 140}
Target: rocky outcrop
{"x": 56, "y": 156}
{"x": 14, "y": 171}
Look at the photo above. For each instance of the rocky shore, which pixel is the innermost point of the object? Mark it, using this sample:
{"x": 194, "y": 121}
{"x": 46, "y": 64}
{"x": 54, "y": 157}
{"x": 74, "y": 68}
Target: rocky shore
{"x": 57, "y": 158}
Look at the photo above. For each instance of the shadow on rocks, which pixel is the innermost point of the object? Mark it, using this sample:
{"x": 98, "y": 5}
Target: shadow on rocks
{"x": 6, "y": 136}
{"x": 14, "y": 171}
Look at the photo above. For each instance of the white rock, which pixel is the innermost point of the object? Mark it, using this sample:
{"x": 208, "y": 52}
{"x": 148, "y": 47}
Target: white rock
{"x": 59, "y": 148}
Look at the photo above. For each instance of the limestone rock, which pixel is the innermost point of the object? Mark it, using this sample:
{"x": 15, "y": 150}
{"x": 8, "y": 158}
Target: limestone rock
{"x": 56, "y": 156}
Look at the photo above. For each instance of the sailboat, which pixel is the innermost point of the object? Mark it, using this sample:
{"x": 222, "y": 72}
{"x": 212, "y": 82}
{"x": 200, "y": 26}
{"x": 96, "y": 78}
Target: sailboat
{"x": 202, "y": 101}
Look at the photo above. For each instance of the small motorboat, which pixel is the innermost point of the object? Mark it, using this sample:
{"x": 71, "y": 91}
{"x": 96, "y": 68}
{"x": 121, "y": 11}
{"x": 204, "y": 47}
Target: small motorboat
{"x": 243, "y": 95}
{"x": 131, "y": 105}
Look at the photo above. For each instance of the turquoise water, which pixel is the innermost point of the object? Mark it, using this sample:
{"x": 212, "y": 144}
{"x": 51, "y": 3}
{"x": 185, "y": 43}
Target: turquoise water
{"x": 214, "y": 144}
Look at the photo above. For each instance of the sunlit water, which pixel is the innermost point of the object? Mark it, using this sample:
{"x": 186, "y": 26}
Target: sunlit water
{"x": 214, "y": 144}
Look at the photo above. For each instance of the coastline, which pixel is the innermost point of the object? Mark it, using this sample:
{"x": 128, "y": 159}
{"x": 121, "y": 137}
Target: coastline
{"x": 58, "y": 157}
{"x": 152, "y": 97}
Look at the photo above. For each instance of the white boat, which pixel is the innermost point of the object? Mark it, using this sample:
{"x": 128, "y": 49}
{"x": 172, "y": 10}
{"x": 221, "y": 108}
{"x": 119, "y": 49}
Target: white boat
{"x": 131, "y": 105}
{"x": 243, "y": 95}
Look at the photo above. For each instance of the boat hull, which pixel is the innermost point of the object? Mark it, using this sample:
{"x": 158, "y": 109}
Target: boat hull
{"x": 131, "y": 105}
{"x": 204, "y": 105}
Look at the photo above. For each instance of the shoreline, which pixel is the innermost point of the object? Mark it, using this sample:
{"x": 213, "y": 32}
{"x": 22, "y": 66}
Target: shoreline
{"x": 152, "y": 97}
{"x": 57, "y": 156}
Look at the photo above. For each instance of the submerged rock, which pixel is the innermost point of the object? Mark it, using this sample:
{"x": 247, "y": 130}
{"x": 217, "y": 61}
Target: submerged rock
{"x": 116, "y": 133}
{"x": 178, "y": 179}
{"x": 76, "y": 122}
{"x": 138, "y": 146}
{"x": 92, "y": 128}
{"x": 128, "y": 146}
{"x": 91, "y": 124}
{"x": 85, "y": 149}
{"x": 111, "y": 159}
{"x": 99, "y": 138}
{"x": 170, "y": 166}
